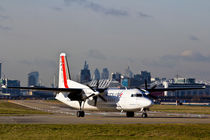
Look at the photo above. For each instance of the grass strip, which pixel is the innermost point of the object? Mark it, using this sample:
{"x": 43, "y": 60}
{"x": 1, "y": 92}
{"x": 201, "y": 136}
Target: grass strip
{"x": 8, "y": 109}
{"x": 103, "y": 132}
{"x": 181, "y": 109}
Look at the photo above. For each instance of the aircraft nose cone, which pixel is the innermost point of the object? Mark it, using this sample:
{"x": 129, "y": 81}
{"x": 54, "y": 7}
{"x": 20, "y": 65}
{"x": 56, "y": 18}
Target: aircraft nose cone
{"x": 149, "y": 103}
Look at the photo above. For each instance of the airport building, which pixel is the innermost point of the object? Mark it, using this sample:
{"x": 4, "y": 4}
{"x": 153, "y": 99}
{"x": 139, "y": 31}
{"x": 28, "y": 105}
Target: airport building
{"x": 11, "y": 83}
{"x": 185, "y": 83}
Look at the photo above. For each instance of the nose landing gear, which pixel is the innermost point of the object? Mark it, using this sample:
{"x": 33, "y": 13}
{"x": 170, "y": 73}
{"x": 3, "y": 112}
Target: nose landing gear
{"x": 144, "y": 113}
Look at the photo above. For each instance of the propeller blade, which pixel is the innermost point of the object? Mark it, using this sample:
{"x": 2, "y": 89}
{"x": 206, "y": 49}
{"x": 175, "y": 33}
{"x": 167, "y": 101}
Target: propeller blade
{"x": 101, "y": 90}
{"x": 145, "y": 82}
{"x": 89, "y": 96}
{"x": 102, "y": 98}
{"x": 95, "y": 100}
{"x": 91, "y": 87}
{"x": 153, "y": 87}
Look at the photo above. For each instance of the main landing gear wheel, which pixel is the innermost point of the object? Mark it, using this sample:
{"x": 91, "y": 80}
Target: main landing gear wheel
{"x": 80, "y": 113}
{"x": 144, "y": 115}
{"x": 130, "y": 114}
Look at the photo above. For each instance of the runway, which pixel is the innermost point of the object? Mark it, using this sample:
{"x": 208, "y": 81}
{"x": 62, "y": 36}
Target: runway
{"x": 62, "y": 114}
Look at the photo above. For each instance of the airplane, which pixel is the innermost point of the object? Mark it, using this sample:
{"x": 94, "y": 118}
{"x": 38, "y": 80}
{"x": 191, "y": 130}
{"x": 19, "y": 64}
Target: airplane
{"x": 84, "y": 97}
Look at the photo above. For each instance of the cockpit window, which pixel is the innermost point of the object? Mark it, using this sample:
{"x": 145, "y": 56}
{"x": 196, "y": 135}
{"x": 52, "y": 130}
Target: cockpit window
{"x": 136, "y": 95}
{"x": 143, "y": 91}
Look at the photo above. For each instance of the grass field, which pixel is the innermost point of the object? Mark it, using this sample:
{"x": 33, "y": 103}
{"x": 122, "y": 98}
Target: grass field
{"x": 181, "y": 109}
{"x": 8, "y": 109}
{"x": 103, "y": 132}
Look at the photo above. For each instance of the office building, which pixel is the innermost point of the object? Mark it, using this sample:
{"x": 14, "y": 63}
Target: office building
{"x": 146, "y": 76}
{"x": 105, "y": 74}
{"x": 97, "y": 74}
{"x": 116, "y": 77}
{"x": 33, "y": 79}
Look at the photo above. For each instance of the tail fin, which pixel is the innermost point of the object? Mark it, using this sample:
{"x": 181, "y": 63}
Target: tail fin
{"x": 64, "y": 74}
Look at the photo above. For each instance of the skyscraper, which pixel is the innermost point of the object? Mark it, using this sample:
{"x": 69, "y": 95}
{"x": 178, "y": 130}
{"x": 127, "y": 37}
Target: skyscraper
{"x": 146, "y": 76}
{"x": 97, "y": 74}
{"x": 105, "y": 74}
{"x": 85, "y": 74}
{"x": 33, "y": 79}
{"x": 128, "y": 73}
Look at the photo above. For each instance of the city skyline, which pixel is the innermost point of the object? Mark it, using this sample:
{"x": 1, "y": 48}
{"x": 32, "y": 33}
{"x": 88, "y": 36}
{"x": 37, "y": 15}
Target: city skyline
{"x": 164, "y": 37}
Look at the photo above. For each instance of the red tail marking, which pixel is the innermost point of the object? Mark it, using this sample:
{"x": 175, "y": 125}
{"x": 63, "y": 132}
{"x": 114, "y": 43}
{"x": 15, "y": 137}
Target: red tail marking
{"x": 64, "y": 72}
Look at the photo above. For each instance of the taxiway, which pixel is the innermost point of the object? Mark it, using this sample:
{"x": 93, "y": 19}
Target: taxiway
{"x": 62, "y": 114}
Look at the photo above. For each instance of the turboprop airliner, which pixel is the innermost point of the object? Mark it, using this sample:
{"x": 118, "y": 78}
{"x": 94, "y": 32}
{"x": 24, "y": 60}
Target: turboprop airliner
{"x": 83, "y": 97}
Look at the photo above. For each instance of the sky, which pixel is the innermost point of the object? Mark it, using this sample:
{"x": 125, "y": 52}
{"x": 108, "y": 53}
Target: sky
{"x": 161, "y": 36}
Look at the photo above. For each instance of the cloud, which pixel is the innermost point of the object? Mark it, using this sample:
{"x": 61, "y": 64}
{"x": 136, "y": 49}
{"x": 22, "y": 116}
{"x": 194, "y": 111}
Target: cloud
{"x": 171, "y": 61}
{"x": 5, "y": 28}
{"x": 1, "y": 8}
{"x": 189, "y": 55}
{"x": 98, "y": 8}
{"x": 192, "y": 37}
{"x": 96, "y": 55}
{"x": 141, "y": 14}
{"x": 2, "y": 17}
{"x": 39, "y": 62}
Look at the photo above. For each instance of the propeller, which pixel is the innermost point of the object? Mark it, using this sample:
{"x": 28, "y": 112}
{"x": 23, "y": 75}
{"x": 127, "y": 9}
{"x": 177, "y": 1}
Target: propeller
{"x": 97, "y": 89}
{"x": 152, "y": 88}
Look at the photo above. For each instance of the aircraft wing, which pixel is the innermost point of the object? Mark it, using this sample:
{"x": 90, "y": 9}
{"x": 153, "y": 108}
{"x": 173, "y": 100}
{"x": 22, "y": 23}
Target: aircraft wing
{"x": 74, "y": 90}
{"x": 173, "y": 89}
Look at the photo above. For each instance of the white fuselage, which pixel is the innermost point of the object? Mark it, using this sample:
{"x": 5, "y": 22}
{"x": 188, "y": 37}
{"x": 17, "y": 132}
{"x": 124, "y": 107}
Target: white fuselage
{"x": 117, "y": 100}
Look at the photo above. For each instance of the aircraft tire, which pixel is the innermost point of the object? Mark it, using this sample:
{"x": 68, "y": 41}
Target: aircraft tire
{"x": 130, "y": 114}
{"x": 144, "y": 115}
{"x": 80, "y": 113}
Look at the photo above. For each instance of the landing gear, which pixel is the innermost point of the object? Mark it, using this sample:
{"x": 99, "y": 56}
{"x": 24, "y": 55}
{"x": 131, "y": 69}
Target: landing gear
{"x": 130, "y": 114}
{"x": 80, "y": 113}
{"x": 144, "y": 115}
